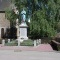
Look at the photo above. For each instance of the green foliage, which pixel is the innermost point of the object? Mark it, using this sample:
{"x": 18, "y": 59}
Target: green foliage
{"x": 58, "y": 26}
{"x": 40, "y": 27}
{"x": 45, "y": 16}
{"x": 11, "y": 16}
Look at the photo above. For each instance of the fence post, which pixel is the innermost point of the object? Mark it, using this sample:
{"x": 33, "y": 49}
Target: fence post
{"x": 39, "y": 41}
{"x": 34, "y": 42}
{"x": 8, "y": 40}
{"x": 3, "y": 42}
{"x": 18, "y": 42}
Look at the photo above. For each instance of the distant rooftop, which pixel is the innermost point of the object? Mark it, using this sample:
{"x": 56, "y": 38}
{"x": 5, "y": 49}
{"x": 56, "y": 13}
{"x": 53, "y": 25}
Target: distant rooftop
{"x": 4, "y": 4}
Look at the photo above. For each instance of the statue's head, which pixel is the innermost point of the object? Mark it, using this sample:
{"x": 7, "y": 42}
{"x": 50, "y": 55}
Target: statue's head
{"x": 23, "y": 11}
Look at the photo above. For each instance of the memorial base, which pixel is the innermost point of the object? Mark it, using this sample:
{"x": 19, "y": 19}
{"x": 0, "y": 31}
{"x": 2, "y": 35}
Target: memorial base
{"x": 23, "y": 31}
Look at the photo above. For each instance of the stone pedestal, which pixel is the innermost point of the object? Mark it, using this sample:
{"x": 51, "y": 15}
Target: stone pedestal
{"x": 23, "y": 31}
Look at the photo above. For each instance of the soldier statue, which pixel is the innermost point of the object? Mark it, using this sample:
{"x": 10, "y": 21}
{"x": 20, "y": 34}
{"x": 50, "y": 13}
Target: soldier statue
{"x": 23, "y": 15}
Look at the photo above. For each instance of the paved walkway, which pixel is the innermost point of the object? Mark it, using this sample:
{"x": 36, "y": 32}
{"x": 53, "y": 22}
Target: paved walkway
{"x": 41, "y": 47}
{"x": 28, "y": 55}
{"x": 41, "y": 52}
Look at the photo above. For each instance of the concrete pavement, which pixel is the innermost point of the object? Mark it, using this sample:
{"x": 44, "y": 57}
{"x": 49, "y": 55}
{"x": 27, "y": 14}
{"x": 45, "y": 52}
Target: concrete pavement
{"x": 41, "y": 52}
{"x": 28, "y": 55}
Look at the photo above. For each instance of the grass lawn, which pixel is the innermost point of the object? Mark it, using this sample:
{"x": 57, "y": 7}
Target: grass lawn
{"x": 24, "y": 43}
{"x": 12, "y": 43}
{"x": 27, "y": 43}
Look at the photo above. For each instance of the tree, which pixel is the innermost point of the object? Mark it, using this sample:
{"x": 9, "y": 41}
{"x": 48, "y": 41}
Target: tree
{"x": 43, "y": 19}
{"x": 45, "y": 15}
{"x": 11, "y": 16}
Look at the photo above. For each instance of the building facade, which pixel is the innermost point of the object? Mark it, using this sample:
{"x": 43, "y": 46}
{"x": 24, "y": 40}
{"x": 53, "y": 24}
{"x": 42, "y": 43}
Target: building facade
{"x": 4, "y": 23}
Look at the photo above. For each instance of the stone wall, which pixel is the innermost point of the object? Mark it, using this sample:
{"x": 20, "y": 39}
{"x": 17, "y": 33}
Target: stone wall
{"x": 4, "y": 23}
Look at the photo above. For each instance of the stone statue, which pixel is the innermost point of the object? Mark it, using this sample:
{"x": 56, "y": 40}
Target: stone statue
{"x": 23, "y": 15}
{"x": 17, "y": 20}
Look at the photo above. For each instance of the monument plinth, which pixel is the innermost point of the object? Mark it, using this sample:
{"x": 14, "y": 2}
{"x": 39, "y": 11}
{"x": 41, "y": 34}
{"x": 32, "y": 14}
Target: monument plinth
{"x": 23, "y": 31}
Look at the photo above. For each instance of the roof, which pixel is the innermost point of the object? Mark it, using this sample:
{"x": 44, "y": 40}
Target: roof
{"x": 4, "y": 4}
